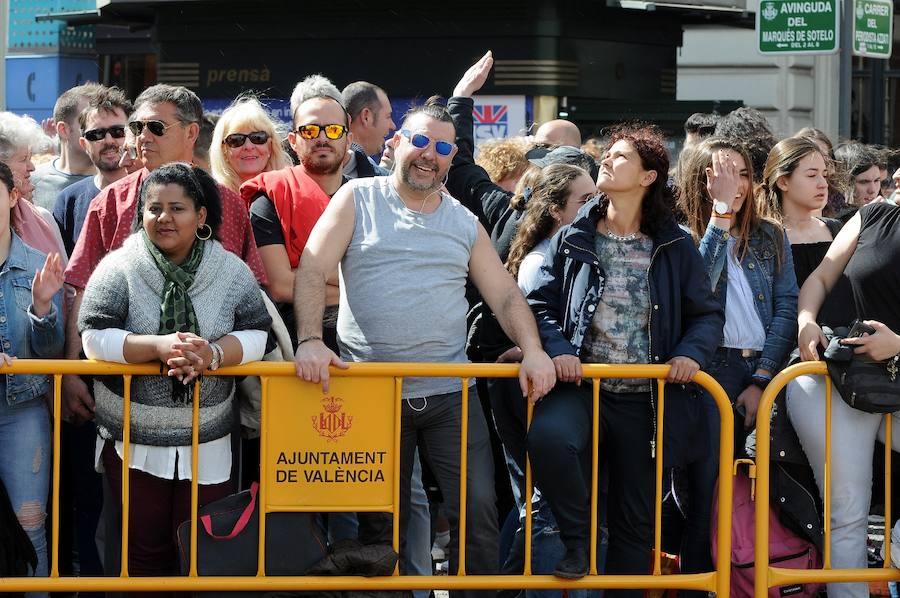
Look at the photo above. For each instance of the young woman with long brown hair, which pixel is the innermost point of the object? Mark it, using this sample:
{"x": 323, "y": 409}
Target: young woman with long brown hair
{"x": 554, "y": 201}
{"x": 750, "y": 271}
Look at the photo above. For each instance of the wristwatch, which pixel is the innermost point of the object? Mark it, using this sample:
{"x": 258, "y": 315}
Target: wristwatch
{"x": 721, "y": 208}
{"x": 760, "y": 382}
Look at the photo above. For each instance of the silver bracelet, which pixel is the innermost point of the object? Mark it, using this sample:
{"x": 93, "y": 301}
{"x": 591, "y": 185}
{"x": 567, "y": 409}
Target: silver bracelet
{"x": 218, "y": 354}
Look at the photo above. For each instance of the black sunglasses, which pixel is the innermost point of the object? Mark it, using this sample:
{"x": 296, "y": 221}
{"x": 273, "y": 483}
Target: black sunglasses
{"x": 116, "y": 132}
{"x": 236, "y": 140}
{"x": 157, "y": 127}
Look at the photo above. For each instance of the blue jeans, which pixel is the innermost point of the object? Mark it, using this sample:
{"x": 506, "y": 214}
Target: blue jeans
{"x": 733, "y": 373}
{"x": 25, "y": 462}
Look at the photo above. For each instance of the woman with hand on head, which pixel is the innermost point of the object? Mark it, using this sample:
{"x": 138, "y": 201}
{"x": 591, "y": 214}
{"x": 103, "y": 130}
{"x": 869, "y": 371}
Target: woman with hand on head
{"x": 31, "y": 304}
{"x": 170, "y": 294}
{"x": 751, "y": 273}
{"x": 244, "y": 144}
{"x": 865, "y": 252}
{"x": 619, "y": 285}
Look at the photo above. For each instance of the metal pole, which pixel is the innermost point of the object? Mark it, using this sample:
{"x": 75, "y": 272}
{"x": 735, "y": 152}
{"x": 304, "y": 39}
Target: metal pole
{"x": 845, "y": 77}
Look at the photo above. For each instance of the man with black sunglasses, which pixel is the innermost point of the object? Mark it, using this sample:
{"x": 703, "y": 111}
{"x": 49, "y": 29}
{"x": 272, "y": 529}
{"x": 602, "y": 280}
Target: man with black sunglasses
{"x": 102, "y": 125}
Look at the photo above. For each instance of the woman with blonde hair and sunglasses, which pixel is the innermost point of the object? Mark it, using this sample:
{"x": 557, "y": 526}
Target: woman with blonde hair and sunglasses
{"x": 245, "y": 143}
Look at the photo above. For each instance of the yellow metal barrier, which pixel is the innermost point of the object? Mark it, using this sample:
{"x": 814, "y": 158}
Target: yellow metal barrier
{"x": 715, "y": 581}
{"x": 769, "y": 576}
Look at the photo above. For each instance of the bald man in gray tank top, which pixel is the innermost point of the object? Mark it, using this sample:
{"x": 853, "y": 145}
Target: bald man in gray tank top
{"x": 405, "y": 251}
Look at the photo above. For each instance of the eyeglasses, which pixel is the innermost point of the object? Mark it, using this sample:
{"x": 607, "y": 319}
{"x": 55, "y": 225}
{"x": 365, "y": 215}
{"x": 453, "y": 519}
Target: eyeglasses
{"x": 334, "y": 131}
{"x": 236, "y": 140}
{"x": 157, "y": 127}
{"x": 420, "y": 141}
{"x": 116, "y": 131}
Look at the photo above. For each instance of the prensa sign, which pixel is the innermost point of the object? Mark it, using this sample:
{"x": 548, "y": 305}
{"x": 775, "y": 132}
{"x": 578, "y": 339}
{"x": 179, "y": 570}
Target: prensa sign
{"x": 334, "y": 449}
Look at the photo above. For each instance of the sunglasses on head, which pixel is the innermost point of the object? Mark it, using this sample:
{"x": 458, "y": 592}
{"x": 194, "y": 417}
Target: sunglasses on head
{"x": 236, "y": 140}
{"x": 157, "y": 127}
{"x": 420, "y": 141}
{"x": 116, "y": 132}
{"x": 333, "y": 131}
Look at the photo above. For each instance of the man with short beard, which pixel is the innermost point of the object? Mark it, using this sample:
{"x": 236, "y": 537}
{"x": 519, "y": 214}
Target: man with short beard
{"x": 103, "y": 127}
{"x": 285, "y": 204}
{"x": 405, "y": 250}
{"x": 72, "y": 164}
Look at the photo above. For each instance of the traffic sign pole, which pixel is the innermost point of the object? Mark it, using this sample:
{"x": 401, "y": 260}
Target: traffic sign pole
{"x": 846, "y": 72}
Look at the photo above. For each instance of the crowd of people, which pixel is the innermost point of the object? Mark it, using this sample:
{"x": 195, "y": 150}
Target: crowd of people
{"x": 152, "y": 232}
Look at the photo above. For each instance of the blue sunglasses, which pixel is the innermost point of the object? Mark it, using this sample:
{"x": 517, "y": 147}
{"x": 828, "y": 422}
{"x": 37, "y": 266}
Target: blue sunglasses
{"x": 444, "y": 148}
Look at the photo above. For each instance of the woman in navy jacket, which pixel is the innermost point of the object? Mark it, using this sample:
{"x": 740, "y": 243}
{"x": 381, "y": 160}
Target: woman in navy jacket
{"x": 622, "y": 284}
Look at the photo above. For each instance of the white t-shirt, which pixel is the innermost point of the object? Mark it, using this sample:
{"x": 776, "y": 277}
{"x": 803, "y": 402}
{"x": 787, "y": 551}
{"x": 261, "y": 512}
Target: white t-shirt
{"x": 531, "y": 266}
{"x": 743, "y": 328}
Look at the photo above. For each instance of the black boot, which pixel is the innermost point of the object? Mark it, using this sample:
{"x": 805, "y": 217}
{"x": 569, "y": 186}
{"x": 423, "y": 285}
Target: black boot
{"x": 574, "y": 565}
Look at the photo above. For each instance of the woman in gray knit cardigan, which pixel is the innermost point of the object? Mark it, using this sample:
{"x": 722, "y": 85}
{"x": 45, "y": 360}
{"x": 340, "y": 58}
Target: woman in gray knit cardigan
{"x": 171, "y": 294}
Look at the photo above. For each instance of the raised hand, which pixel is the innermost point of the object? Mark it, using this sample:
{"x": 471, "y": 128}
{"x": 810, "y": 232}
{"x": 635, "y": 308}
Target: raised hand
{"x": 474, "y": 78}
{"x": 723, "y": 178}
{"x": 47, "y": 282}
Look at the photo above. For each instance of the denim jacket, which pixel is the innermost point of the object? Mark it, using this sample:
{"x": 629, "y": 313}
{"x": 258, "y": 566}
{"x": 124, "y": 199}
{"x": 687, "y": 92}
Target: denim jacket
{"x": 774, "y": 288}
{"x": 685, "y": 320}
{"x": 23, "y": 334}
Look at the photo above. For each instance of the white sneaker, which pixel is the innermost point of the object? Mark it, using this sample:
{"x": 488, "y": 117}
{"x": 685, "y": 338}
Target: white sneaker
{"x": 439, "y": 548}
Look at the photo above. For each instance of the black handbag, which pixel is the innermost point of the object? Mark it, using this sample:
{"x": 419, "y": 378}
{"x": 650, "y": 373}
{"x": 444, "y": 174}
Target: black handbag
{"x": 228, "y": 538}
{"x": 873, "y": 387}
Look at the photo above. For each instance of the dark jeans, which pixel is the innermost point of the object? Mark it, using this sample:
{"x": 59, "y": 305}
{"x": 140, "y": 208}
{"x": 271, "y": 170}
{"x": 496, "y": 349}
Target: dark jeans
{"x": 559, "y": 444}
{"x": 157, "y": 508}
{"x": 433, "y": 424}
{"x": 733, "y": 373}
{"x": 510, "y": 418}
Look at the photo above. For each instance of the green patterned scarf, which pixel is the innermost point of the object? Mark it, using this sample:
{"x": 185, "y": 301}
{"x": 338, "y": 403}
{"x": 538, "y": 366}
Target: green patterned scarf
{"x": 176, "y": 312}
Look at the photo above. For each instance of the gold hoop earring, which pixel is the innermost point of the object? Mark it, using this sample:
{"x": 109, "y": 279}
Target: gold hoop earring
{"x": 208, "y": 232}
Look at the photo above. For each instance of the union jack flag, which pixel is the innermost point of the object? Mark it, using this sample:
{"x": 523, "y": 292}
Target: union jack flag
{"x": 490, "y": 114}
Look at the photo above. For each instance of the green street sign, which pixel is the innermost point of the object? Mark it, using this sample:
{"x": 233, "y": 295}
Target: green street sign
{"x": 872, "y": 28}
{"x": 797, "y": 26}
